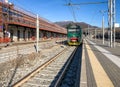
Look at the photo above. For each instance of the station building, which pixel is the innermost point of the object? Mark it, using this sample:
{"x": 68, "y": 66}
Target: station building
{"x": 17, "y": 24}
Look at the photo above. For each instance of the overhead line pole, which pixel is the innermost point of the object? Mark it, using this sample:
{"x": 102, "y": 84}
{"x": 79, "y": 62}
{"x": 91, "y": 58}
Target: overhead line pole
{"x": 110, "y": 20}
{"x": 111, "y": 11}
{"x": 37, "y": 33}
{"x": 114, "y": 21}
{"x": 103, "y": 11}
{"x": 103, "y": 27}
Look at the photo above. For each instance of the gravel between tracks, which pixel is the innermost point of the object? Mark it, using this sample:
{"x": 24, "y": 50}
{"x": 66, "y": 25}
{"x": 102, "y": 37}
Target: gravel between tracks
{"x": 48, "y": 76}
{"x": 14, "y": 70}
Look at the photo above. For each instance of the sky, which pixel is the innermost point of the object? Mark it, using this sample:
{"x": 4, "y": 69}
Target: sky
{"x": 56, "y": 10}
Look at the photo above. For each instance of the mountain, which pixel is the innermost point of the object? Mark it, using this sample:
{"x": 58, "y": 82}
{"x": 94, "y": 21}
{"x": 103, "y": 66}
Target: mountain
{"x": 82, "y": 24}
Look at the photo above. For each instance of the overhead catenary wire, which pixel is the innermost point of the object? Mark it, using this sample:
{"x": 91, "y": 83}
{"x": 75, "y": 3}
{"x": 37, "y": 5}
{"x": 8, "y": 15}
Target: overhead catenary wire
{"x": 73, "y": 13}
{"x": 70, "y": 4}
{"x": 70, "y": 7}
{"x": 87, "y": 3}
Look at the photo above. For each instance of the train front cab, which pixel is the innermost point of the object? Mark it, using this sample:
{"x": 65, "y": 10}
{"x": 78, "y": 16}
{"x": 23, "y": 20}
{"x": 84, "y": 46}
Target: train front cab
{"x": 74, "y": 34}
{"x": 74, "y": 41}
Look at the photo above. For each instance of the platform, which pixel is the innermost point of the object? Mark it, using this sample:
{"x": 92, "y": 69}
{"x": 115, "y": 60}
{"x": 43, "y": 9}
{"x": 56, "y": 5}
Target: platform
{"x": 101, "y": 66}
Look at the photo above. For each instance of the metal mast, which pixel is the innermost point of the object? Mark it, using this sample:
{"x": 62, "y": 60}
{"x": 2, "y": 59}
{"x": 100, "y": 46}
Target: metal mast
{"x": 37, "y": 33}
{"x": 103, "y": 11}
{"x": 110, "y": 20}
{"x": 103, "y": 27}
{"x": 111, "y": 23}
{"x": 114, "y": 20}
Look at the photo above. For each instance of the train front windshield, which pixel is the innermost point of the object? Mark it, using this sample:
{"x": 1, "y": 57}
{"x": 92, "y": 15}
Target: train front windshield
{"x": 73, "y": 31}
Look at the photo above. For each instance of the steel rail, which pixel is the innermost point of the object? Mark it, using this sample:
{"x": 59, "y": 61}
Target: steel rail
{"x": 57, "y": 84}
{"x": 34, "y": 72}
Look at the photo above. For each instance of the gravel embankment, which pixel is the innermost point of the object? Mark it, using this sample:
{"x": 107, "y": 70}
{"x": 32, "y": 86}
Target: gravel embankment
{"x": 14, "y": 69}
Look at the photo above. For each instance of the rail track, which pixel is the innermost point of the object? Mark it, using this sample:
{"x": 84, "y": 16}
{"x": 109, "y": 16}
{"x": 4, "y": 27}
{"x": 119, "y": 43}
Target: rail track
{"x": 48, "y": 73}
{"x": 70, "y": 76}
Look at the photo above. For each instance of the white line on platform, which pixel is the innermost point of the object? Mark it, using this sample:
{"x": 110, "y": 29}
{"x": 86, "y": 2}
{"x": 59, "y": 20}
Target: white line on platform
{"x": 108, "y": 54}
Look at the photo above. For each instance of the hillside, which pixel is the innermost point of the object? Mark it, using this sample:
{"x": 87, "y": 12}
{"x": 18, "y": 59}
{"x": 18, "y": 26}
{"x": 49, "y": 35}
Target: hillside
{"x": 82, "y": 24}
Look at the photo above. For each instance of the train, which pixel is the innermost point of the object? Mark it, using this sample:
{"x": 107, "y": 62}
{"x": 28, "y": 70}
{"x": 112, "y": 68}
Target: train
{"x": 74, "y": 34}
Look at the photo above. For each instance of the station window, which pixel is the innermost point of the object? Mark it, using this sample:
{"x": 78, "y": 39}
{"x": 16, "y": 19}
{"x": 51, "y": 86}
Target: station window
{"x": 4, "y": 9}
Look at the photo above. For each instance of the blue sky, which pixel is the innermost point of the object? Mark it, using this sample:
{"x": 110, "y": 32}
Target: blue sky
{"x": 55, "y": 10}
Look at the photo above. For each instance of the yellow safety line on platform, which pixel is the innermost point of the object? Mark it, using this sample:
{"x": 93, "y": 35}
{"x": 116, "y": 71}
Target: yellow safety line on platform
{"x": 101, "y": 77}
{"x": 83, "y": 79}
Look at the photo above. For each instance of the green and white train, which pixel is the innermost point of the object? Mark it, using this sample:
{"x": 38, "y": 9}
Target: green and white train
{"x": 74, "y": 34}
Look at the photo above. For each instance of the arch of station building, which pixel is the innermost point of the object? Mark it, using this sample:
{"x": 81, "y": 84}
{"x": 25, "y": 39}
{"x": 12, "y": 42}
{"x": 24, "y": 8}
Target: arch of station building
{"x": 48, "y": 35}
{"x": 20, "y": 33}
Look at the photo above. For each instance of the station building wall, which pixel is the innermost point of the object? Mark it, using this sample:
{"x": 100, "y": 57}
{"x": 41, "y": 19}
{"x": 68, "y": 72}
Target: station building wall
{"x": 18, "y": 33}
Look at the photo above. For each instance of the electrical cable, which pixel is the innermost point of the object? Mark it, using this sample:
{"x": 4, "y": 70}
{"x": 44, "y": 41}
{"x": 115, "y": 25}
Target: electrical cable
{"x": 70, "y": 7}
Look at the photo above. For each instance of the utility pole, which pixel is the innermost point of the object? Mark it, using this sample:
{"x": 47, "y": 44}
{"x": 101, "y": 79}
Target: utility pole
{"x": 103, "y": 11}
{"x": 111, "y": 23}
{"x": 114, "y": 20}
{"x": 103, "y": 27}
{"x": 37, "y": 33}
{"x": 110, "y": 20}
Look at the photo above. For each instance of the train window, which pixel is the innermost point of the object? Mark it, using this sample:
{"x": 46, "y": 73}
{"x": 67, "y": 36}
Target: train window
{"x": 4, "y": 9}
{"x": 74, "y": 30}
